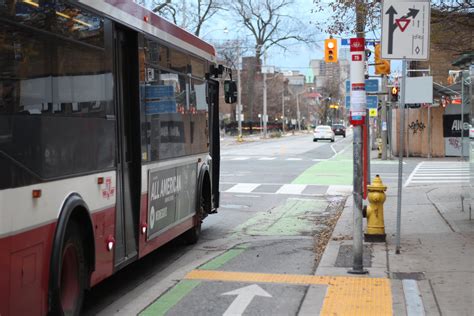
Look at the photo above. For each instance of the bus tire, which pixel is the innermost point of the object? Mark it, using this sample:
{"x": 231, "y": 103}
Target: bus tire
{"x": 192, "y": 235}
{"x": 72, "y": 273}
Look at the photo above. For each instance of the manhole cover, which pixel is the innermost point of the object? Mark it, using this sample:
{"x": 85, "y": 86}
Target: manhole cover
{"x": 345, "y": 257}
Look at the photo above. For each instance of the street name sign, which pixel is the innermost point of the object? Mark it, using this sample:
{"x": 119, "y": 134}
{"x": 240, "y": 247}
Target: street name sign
{"x": 406, "y": 29}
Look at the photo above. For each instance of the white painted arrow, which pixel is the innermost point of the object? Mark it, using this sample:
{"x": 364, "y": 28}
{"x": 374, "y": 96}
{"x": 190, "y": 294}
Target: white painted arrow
{"x": 244, "y": 296}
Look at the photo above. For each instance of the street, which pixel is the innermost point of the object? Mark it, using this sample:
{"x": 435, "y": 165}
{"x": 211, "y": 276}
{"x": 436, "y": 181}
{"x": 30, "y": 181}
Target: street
{"x": 279, "y": 198}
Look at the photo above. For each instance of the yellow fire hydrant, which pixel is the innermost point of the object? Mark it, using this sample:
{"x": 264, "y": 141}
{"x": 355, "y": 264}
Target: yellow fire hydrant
{"x": 374, "y": 213}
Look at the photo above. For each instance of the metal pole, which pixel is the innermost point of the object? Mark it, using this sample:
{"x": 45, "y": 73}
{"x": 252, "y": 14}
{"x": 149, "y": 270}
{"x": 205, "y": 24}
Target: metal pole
{"x": 265, "y": 97}
{"x": 283, "y": 111}
{"x": 400, "y": 154}
{"x": 298, "y": 111}
{"x": 389, "y": 127}
{"x": 368, "y": 147}
{"x": 384, "y": 124}
{"x": 462, "y": 114}
{"x": 357, "y": 76}
{"x": 239, "y": 93}
{"x": 429, "y": 132}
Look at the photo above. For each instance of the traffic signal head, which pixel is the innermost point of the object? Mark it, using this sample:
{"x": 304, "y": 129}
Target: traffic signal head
{"x": 330, "y": 50}
{"x": 394, "y": 94}
{"x": 382, "y": 66}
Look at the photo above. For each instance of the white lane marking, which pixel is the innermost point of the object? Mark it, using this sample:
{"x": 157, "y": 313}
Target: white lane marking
{"x": 291, "y": 189}
{"x": 413, "y": 299}
{"x": 267, "y": 158}
{"x": 240, "y": 158}
{"x": 294, "y": 159}
{"x": 243, "y": 188}
{"x": 334, "y": 150}
{"x": 413, "y": 173}
{"x": 244, "y": 296}
{"x": 319, "y": 159}
{"x": 440, "y": 181}
{"x": 339, "y": 190}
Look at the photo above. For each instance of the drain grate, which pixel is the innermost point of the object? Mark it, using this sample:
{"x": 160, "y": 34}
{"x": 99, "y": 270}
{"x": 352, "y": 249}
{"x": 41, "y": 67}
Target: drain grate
{"x": 418, "y": 276}
{"x": 345, "y": 256}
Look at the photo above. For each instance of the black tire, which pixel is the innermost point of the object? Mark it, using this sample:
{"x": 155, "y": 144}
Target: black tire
{"x": 72, "y": 282}
{"x": 332, "y": 140}
{"x": 192, "y": 235}
{"x": 344, "y": 135}
{"x": 315, "y": 140}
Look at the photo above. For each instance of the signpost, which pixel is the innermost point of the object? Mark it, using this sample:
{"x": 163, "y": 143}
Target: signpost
{"x": 405, "y": 29}
{"x": 406, "y": 36}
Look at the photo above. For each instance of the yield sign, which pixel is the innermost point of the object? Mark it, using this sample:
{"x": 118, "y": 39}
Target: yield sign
{"x": 402, "y": 23}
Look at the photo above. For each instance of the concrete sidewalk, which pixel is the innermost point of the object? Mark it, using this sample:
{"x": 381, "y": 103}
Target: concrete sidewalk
{"x": 433, "y": 275}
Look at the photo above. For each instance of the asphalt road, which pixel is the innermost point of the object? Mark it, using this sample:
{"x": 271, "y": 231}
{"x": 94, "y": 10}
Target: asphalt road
{"x": 277, "y": 196}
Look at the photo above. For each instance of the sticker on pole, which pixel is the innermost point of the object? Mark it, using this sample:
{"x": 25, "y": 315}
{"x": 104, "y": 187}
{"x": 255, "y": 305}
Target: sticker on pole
{"x": 405, "y": 29}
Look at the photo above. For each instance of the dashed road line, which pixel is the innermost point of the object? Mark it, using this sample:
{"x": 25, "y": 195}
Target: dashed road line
{"x": 243, "y": 188}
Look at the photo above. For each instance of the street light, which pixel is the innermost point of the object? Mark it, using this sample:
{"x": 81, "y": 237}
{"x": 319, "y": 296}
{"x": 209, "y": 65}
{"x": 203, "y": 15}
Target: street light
{"x": 225, "y": 30}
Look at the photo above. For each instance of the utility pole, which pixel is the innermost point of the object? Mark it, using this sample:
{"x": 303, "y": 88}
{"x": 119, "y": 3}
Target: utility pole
{"x": 265, "y": 95}
{"x": 283, "y": 110}
{"x": 384, "y": 118}
{"x": 239, "y": 93}
{"x": 298, "y": 111}
{"x": 358, "y": 113}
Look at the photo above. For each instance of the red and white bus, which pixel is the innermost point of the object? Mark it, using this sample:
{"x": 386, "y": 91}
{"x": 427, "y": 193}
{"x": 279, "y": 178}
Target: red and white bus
{"x": 109, "y": 145}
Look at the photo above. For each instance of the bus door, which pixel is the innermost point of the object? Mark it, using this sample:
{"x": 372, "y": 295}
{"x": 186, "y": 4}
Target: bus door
{"x": 215, "y": 149}
{"x": 128, "y": 138}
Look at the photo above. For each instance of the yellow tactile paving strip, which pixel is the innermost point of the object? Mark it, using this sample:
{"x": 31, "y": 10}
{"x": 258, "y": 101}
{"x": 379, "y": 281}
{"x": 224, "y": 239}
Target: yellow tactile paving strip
{"x": 345, "y": 295}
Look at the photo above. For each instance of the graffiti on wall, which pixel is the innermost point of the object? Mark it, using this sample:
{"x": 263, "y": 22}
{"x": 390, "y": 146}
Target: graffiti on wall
{"x": 416, "y": 127}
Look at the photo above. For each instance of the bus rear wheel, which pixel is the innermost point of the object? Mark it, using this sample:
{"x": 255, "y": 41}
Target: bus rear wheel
{"x": 72, "y": 281}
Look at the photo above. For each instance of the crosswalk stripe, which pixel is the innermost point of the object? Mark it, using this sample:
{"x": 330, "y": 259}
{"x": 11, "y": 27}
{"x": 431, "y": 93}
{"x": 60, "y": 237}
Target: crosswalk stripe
{"x": 240, "y": 158}
{"x": 291, "y": 189}
{"x": 267, "y": 158}
{"x": 243, "y": 188}
{"x": 439, "y": 172}
{"x": 294, "y": 159}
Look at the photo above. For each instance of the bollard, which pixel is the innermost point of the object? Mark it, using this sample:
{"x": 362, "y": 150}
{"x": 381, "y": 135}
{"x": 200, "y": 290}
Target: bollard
{"x": 375, "y": 222}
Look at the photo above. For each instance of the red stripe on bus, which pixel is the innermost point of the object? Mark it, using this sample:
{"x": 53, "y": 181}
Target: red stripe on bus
{"x": 140, "y": 12}
{"x": 25, "y": 264}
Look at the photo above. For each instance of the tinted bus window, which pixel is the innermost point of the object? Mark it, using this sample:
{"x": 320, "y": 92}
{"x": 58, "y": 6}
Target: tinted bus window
{"x": 174, "y": 106}
{"x": 55, "y": 93}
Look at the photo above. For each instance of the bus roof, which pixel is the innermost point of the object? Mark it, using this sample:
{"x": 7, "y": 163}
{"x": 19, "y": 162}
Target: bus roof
{"x": 130, "y": 13}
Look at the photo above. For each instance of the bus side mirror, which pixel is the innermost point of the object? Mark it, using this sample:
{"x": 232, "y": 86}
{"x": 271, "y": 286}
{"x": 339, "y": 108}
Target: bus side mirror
{"x": 230, "y": 91}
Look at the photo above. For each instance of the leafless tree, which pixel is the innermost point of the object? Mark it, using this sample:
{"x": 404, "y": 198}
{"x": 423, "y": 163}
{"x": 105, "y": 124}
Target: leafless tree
{"x": 268, "y": 24}
{"x": 190, "y": 15}
{"x": 343, "y": 17}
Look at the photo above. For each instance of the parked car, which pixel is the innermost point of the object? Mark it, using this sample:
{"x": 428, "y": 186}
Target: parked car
{"x": 323, "y": 132}
{"x": 339, "y": 129}
{"x": 471, "y": 131}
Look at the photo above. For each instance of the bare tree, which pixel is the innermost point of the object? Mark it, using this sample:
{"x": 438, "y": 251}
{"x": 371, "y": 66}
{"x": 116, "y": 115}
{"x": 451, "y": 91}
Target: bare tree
{"x": 269, "y": 24}
{"x": 343, "y": 18}
{"x": 190, "y": 15}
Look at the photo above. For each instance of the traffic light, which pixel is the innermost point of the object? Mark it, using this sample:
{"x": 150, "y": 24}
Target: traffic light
{"x": 330, "y": 50}
{"x": 382, "y": 66}
{"x": 394, "y": 94}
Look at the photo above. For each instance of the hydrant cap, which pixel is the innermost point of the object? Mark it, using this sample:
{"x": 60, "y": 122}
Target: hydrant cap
{"x": 377, "y": 185}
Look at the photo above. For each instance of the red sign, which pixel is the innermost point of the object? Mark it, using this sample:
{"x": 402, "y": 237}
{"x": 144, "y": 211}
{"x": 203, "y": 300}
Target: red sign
{"x": 358, "y": 87}
{"x": 357, "y": 44}
{"x": 402, "y": 23}
{"x": 357, "y": 57}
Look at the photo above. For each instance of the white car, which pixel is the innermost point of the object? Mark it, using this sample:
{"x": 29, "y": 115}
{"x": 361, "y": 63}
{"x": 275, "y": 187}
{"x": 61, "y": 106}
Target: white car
{"x": 323, "y": 132}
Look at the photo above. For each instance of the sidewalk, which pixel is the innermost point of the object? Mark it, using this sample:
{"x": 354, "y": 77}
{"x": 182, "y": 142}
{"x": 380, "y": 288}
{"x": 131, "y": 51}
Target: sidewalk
{"x": 433, "y": 275}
